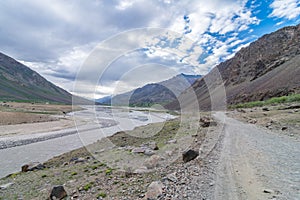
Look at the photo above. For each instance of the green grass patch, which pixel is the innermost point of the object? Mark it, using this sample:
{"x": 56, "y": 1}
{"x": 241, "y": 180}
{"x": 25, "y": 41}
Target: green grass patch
{"x": 273, "y": 101}
{"x": 102, "y": 195}
{"x": 108, "y": 171}
{"x": 87, "y": 186}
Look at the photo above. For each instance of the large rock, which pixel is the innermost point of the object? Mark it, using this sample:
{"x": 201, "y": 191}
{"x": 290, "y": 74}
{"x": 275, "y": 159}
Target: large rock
{"x": 189, "y": 155}
{"x": 58, "y": 192}
{"x": 206, "y": 122}
{"x": 32, "y": 166}
{"x": 154, "y": 190}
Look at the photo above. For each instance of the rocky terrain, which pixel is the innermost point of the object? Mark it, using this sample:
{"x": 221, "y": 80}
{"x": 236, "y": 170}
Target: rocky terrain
{"x": 283, "y": 118}
{"x": 208, "y": 159}
{"x": 267, "y": 68}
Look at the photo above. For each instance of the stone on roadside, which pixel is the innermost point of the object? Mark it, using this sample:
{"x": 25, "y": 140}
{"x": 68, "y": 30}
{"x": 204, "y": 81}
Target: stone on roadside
{"x": 189, "y": 155}
{"x": 154, "y": 190}
{"x": 152, "y": 162}
{"x": 32, "y": 166}
{"x": 206, "y": 122}
{"x": 58, "y": 192}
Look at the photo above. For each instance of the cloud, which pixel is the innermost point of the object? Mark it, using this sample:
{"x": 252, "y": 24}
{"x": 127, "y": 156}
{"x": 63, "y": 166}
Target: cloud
{"x": 56, "y": 37}
{"x": 288, "y": 9}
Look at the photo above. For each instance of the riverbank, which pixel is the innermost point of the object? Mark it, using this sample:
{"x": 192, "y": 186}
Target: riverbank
{"x": 119, "y": 171}
{"x": 92, "y": 124}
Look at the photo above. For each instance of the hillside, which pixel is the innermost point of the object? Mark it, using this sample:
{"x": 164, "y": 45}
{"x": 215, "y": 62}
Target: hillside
{"x": 20, "y": 83}
{"x": 268, "y": 67}
{"x": 155, "y": 93}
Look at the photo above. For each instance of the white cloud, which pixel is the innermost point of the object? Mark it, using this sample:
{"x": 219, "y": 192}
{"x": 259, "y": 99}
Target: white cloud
{"x": 57, "y": 37}
{"x": 289, "y": 9}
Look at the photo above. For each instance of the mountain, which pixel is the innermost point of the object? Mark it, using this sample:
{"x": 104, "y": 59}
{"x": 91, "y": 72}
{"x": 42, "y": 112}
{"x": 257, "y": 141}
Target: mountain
{"x": 155, "y": 93}
{"x": 268, "y": 67}
{"x": 19, "y": 83}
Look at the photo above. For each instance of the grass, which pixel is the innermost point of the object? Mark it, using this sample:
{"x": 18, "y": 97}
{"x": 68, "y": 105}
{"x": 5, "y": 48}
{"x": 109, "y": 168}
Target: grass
{"x": 273, "y": 101}
{"x": 87, "y": 186}
{"x": 101, "y": 194}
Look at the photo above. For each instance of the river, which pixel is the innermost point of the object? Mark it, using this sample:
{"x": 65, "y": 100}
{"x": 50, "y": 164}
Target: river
{"x": 100, "y": 121}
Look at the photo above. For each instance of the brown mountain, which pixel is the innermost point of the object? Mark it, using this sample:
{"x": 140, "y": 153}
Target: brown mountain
{"x": 155, "y": 93}
{"x": 19, "y": 83}
{"x": 267, "y": 68}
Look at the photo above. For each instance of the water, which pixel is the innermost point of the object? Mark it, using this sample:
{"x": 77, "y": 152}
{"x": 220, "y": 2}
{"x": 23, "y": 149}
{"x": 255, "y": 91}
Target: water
{"x": 100, "y": 122}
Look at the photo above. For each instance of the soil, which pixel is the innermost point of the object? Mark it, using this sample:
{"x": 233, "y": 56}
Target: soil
{"x": 12, "y": 113}
{"x": 237, "y": 160}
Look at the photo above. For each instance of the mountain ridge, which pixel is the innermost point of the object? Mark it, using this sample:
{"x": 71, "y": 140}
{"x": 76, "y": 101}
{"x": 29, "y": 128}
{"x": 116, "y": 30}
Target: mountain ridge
{"x": 154, "y": 93}
{"x": 20, "y": 83}
{"x": 267, "y": 68}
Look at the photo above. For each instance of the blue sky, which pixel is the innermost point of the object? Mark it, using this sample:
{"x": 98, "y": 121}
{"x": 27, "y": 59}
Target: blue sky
{"x": 56, "y": 37}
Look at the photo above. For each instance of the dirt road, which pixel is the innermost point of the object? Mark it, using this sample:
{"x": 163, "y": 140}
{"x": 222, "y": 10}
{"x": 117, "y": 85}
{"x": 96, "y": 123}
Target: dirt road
{"x": 256, "y": 164}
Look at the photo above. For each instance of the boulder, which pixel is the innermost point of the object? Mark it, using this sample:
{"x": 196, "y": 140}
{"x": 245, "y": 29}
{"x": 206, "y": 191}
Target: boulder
{"x": 58, "y": 192}
{"x": 32, "y": 166}
{"x": 206, "y": 122}
{"x": 154, "y": 190}
{"x": 284, "y": 128}
{"x": 189, "y": 155}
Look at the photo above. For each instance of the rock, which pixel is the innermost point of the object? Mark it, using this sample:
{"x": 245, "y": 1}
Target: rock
{"x": 141, "y": 170}
{"x": 284, "y": 128}
{"x": 241, "y": 110}
{"x": 58, "y": 192}
{"x": 152, "y": 162}
{"x": 80, "y": 160}
{"x": 252, "y": 121}
{"x": 138, "y": 150}
{"x": 172, "y": 177}
{"x": 153, "y": 146}
{"x": 154, "y": 190}
{"x": 206, "y": 122}
{"x": 32, "y": 166}
{"x": 5, "y": 186}
{"x": 265, "y": 109}
{"x": 174, "y": 141}
{"x": 149, "y": 152}
{"x": 269, "y": 191}
{"x": 189, "y": 155}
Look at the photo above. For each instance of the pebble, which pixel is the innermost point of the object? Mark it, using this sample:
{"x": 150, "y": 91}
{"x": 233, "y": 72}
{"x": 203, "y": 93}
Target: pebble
{"x": 5, "y": 186}
{"x": 268, "y": 191}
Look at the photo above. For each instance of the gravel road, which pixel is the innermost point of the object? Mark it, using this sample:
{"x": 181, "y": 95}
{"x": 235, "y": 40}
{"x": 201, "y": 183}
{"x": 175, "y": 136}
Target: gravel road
{"x": 256, "y": 164}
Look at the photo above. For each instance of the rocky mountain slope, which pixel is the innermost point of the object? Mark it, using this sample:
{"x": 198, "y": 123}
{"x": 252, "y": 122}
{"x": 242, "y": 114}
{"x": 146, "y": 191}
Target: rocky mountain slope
{"x": 267, "y": 68}
{"x": 156, "y": 93}
{"x": 20, "y": 83}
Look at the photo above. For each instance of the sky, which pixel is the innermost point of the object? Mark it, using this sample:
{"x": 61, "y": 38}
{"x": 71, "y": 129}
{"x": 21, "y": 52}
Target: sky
{"x": 97, "y": 48}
